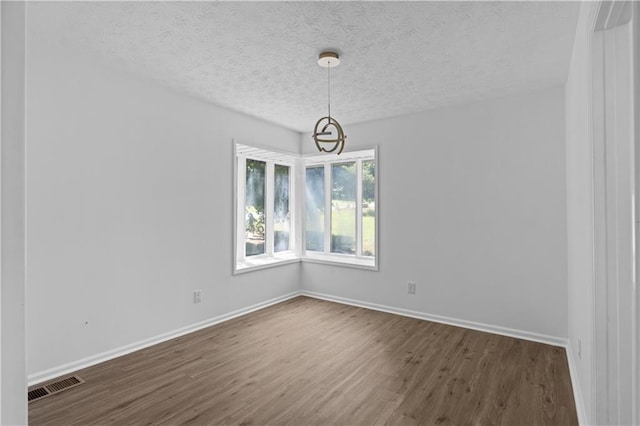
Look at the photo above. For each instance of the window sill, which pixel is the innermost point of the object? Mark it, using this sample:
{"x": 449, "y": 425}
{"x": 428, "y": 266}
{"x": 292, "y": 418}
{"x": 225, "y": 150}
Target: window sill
{"x": 362, "y": 262}
{"x": 255, "y": 263}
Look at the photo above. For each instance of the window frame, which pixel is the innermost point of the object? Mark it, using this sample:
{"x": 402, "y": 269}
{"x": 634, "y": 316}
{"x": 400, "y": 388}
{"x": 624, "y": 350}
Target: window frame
{"x": 242, "y": 262}
{"x": 326, "y": 256}
{"x": 297, "y": 208}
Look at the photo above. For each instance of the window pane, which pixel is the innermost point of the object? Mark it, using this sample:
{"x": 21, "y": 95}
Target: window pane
{"x": 254, "y": 210}
{"x": 281, "y": 218}
{"x": 369, "y": 208}
{"x": 315, "y": 208}
{"x": 343, "y": 208}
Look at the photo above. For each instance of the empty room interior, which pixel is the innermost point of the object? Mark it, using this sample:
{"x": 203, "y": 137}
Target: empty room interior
{"x": 337, "y": 213}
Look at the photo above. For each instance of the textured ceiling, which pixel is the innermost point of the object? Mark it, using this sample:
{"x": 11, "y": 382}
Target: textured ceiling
{"x": 259, "y": 58}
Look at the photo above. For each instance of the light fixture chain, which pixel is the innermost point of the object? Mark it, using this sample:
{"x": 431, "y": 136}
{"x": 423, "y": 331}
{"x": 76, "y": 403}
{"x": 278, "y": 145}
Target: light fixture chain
{"x": 329, "y": 89}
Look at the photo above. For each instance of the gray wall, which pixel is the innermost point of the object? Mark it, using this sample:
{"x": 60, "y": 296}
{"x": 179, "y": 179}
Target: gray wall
{"x": 129, "y": 210}
{"x": 13, "y": 389}
{"x": 473, "y": 209}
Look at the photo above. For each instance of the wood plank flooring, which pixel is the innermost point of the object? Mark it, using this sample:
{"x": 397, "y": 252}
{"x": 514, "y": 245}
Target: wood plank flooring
{"x": 311, "y": 362}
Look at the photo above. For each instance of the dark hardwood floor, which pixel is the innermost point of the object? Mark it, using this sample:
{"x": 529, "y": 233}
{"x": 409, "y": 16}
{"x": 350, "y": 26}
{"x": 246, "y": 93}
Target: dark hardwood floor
{"x": 311, "y": 362}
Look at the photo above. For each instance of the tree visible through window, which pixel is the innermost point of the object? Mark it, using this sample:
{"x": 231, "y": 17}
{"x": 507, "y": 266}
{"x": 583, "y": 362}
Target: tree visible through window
{"x": 315, "y": 208}
{"x": 343, "y": 208}
{"x": 254, "y": 207}
{"x": 350, "y": 203}
{"x": 281, "y": 216}
{"x": 338, "y": 222}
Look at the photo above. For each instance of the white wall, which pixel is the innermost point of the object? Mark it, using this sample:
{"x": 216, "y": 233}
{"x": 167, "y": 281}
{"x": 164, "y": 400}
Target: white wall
{"x": 580, "y": 208}
{"x": 13, "y": 389}
{"x": 473, "y": 209}
{"x": 128, "y": 209}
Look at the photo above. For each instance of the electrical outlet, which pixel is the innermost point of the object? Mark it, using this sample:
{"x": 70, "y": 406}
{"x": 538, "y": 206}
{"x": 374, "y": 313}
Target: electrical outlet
{"x": 197, "y": 296}
{"x": 579, "y": 348}
{"x": 411, "y": 287}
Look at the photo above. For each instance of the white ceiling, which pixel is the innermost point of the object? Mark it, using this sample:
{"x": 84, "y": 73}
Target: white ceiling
{"x": 259, "y": 58}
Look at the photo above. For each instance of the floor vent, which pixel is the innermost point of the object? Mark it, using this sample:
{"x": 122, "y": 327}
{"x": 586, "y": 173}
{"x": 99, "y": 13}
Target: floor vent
{"x": 37, "y": 394}
{"x": 54, "y": 387}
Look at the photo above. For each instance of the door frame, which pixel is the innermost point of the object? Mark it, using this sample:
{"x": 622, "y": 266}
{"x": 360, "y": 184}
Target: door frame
{"x": 615, "y": 168}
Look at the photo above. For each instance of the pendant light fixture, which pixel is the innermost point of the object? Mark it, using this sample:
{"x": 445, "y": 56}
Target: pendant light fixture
{"x": 328, "y": 132}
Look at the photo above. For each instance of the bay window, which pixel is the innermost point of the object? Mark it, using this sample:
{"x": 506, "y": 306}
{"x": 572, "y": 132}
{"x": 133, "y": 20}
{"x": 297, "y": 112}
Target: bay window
{"x": 336, "y": 201}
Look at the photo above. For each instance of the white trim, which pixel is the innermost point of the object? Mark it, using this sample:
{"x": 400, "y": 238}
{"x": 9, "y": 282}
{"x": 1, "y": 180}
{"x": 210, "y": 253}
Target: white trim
{"x": 264, "y": 153}
{"x": 269, "y": 203}
{"x": 328, "y": 182}
{"x": 1, "y": 245}
{"x": 239, "y": 174}
{"x": 70, "y": 367}
{"x": 614, "y": 187}
{"x": 345, "y": 157}
{"x": 1, "y": 286}
{"x": 299, "y": 189}
{"x": 240, "y": 261}
{"x": 376, "y": 189}
{"x": 591, "y": 123}
{"x": 359, "y": 217}
{"x": 575, "y": 384}
{"x": 264, "y": 261}
{"x": 488, "y": 328}
{"x": 635, "y": 22}
{"x": 336, "y": 259}
{"x": 293, "y": 213}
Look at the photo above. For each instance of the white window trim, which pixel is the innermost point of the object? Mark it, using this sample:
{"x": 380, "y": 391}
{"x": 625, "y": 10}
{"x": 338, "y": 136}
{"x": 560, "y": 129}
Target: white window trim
{"x": 349, "y": 260}
{"x": 241, "y": 262}
{"x": 358, "y": 260}
{"x": 297, "y": 209}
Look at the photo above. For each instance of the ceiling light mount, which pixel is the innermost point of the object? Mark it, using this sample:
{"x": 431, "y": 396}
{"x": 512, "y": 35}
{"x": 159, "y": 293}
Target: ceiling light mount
{"x": 328, "y": 59}
{"x": 327, "y": 130}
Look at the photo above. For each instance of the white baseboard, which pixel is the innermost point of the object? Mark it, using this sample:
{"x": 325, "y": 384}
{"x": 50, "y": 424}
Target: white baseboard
{"x": 504, "y": 331}
{"x": 577, "y": 391}
{"x": 51, "y": 373}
